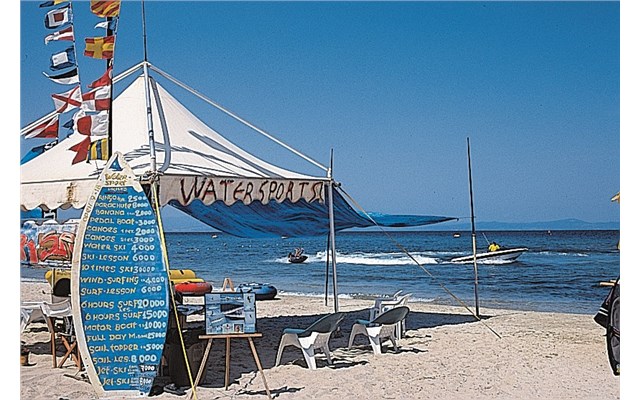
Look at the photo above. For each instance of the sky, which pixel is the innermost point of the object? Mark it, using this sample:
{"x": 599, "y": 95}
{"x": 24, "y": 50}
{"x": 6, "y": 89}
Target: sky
{"x": 394, "y": 89}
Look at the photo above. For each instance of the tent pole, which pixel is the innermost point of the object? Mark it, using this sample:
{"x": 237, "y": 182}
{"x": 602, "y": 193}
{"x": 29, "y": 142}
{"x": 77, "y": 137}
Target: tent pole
{"x": 332, "y": 233}
{"x": 473, "y": 232}
{"x": 326, "y": 273}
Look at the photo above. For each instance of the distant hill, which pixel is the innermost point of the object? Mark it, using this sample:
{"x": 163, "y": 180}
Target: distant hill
{"x": 570, "y": 224}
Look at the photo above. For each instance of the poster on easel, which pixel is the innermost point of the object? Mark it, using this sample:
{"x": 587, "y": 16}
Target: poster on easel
{"x": 228, "y": 311}
{"x": 120, "y": 291}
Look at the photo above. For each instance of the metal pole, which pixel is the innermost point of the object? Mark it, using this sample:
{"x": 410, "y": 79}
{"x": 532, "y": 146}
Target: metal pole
{"x": 333, "y": 236}
{"x": 326, "y": 273}
{"x": 145, "y": 67}
{"x": 473, "y": 232}
{"x": 109, "y": 32}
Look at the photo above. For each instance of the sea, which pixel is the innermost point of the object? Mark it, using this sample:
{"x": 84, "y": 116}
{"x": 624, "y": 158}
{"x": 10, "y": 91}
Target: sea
{"x": 560, "y": 272}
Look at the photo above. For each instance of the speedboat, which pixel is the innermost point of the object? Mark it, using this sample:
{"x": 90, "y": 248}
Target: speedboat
{"x": 499, "y": 256}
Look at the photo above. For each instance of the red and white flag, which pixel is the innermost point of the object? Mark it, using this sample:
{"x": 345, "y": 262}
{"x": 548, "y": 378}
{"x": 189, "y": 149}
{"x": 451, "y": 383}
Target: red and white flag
{"x": 47, "y": 129}
{"x": 63, "y": 34}
{"x": 92, "y": 125}
{"x": 68, "y": 100}
{"x": 99, "y": 99}
{"x": 104, "y": 80}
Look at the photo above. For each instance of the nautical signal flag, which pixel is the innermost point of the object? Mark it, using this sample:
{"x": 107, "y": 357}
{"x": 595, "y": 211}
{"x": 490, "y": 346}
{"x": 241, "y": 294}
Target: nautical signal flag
{"x": 52, "y": 3}
{"x": 98, "y": 99}
{"x": 104, "y": 80}
{"x": 92, "y": 125}
{"x": 64, "y": 59}
{"x": 64, "y": 34}
{"x": 108, "y": 8}
{"x": 110, "y": 24}
{"x": 99, "y": 150}
{"x": 58, "y": 17}
{"x": 36, "y": 151}
{"x": 47, "y": 129}
{"x": 66, "y": 78}
{"x": 99, "y": 47}
{"x": 68, "y": 100}
{"x": 81, "y": 149}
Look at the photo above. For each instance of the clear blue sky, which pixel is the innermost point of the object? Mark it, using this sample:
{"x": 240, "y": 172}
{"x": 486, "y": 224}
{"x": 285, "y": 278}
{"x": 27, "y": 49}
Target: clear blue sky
{"x": 394, "y": 89}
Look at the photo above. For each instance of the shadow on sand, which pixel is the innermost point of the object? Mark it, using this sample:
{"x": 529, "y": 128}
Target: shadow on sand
{"x": 242, "y": 361}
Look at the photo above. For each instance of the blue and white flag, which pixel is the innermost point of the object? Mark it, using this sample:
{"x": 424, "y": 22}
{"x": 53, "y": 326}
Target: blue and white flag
{"x": 58, "y": 17}
{"x": 66, "y": 78}
{"x": 64, "y": 59}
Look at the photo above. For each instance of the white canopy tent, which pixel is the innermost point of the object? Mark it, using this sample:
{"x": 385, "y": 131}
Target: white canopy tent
{"x": 185, "y": 148}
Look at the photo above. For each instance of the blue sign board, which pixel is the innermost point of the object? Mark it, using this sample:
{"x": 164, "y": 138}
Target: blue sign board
{"x": 120, "y": 287}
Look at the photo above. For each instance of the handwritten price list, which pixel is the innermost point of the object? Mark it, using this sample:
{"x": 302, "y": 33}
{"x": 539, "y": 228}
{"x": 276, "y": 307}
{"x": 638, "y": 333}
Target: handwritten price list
{"x": 123, "y": 290}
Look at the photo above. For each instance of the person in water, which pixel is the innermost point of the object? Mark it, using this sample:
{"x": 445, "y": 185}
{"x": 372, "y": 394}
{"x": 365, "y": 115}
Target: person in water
{"x": 298, "y": 252}
{"x": 494, "y": 246}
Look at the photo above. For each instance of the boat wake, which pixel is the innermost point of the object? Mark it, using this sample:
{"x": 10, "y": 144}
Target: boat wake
{"x": 380, "y": 259}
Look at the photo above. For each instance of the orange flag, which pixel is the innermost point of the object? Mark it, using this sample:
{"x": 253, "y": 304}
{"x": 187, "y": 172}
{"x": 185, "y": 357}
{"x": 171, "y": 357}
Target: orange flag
{"x": 100, "y": 47}
{"x": 108, "y": 8}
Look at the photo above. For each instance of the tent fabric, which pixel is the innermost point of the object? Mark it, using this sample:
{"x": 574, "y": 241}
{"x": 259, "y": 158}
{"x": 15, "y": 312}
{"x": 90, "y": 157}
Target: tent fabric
{"x": 185, "y": 146}
{"x": 200, "y": 172}
{"x": 293, "y": 220}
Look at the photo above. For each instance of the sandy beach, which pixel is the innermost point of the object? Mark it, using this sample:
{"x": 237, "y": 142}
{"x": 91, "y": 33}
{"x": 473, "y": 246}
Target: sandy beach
{"x": 446, "y": 354}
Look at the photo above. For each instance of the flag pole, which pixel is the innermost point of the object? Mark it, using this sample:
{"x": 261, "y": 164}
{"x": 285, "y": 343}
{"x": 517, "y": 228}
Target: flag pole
{"x": 110, "y": 64}
{"x": 473, "y": 232}
{"x": 145, "y": 68}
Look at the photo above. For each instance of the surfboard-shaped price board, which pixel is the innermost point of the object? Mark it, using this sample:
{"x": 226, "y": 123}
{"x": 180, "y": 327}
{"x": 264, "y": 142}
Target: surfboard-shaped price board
{"x": 120, "y": 295}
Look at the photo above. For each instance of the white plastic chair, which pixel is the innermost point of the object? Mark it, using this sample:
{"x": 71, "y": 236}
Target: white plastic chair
{"x": 316, "y": 336}
{"x": 382, "y": 305}
{"x": 383, "y": 327}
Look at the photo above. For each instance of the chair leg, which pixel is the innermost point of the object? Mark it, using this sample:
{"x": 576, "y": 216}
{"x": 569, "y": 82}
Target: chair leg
{"x": 393, "y": 340}
{"x": 353, "y": 335}
{"x": 357, "y": 329}
{"x": 70, "y": 348}
{"x": 51, "y": 326}
{"x": 72, "y": 351}
{"x": 309, "y": 356}
{"x": 282, "y": 345}
{"x": 325, "y": 349}
{"x": 375, "y": 344}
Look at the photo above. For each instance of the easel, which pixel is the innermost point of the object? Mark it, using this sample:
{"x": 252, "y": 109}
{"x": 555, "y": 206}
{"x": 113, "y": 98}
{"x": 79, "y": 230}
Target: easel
{"x": 227, "y": 286}
{"x": 228, "y": 338}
